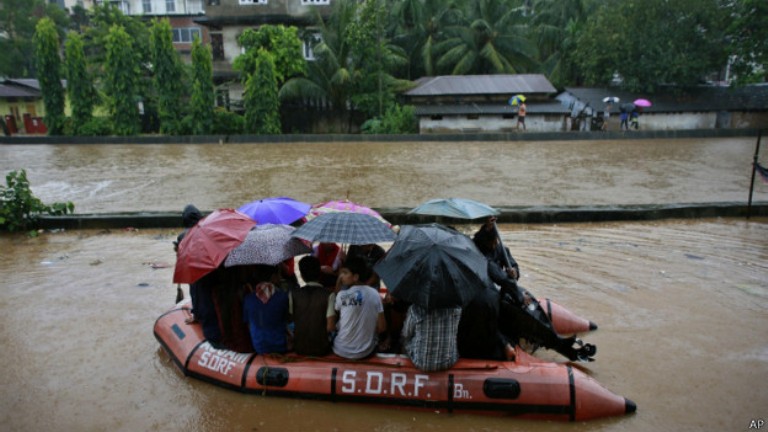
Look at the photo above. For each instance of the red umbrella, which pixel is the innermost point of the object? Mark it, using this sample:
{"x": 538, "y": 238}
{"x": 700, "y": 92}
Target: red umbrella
{"x": 207, "y": 244}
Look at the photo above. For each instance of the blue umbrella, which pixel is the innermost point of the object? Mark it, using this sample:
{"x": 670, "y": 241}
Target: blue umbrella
{"x": 433, "y": 266}
{"x": 460, "y": 208}
{"x": 275, "y": 210}
{"x": 346, "y": 228}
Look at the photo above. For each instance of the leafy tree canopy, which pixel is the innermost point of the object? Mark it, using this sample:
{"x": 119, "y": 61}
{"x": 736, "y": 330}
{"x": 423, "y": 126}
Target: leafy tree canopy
{"x": 652, "y": 43}
{"x": 281, "y": 42}
{"x": 18, "y": 19}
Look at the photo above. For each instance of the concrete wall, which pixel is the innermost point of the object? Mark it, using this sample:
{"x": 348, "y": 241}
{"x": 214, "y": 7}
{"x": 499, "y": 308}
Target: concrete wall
{"x": 491, "y": 124}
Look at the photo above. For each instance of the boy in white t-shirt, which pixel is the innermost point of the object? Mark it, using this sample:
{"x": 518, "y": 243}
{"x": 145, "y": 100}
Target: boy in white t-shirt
{"x": 361, "y": 313}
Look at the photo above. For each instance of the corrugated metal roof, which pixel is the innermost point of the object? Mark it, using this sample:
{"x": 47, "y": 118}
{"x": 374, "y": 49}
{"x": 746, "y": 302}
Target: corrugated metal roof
{"x": 10, "y": 91}
{"x": 482, "y": 85}
{"x": 705, "y": 98}
{"x": 488, "y": 109}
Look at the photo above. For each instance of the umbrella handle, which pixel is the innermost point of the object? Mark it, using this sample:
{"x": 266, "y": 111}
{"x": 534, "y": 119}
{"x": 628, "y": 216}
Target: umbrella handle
{"x": 507, "y": 261}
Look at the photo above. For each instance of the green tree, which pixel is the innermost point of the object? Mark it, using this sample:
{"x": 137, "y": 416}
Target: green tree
{"x": 121, "y": 76}
{"x": 18, "y": 19}
{"x": 262, "y": 106}
{"x": 47, "y": 48}
{"x": 556, "y": 26}
{"x": 82, "y": 95}
{"x": 168, "y": 77}
{"x": 418, "y": 26}
{"x": 652, "y": 43}
{"x": 330, "y": 77}
{"x": 748, "y": 34}
{"x": 281, "y": 42}
{"x": 203, "y": 98}
{"x": 493, "y": 39}
{"x": 374, "y": 59}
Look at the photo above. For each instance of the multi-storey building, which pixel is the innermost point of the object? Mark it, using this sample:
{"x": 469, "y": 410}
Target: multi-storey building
{"x": 227, "y": 19}
{"x": 181, "y": 14}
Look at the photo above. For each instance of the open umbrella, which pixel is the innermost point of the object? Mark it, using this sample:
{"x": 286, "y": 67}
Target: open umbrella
{"x": 346, "y": 206}
{"x": 627, "y": 107}
{"x": 347, "y": 228}
{"x": 517, "y": 100}
{"x": 206, "y": 244}
{"x": 433, "y": 266}
{"x": 275, "y": 210}
{"x": 611, "y": 99}
{"x": 460, "y": 208}
{"x": 267, "y": 244}
{"x": 645, "y": 103}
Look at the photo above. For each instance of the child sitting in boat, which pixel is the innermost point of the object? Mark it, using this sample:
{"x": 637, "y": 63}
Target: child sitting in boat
{"x": 312, "y": 309}
{"x": 361, "y": 313}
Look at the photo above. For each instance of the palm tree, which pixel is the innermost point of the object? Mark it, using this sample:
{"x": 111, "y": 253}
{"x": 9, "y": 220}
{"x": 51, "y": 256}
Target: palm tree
{"x": 493, "y": 39}
{"x": 556, "y": 27}
{"x": 334, "y": 77}
{"x": 419, "y": 25}
{"x": 329, "y": 76}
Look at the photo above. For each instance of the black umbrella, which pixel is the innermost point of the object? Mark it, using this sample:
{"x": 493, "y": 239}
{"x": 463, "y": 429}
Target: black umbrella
{"x": 627, "y": 107}
{"x": 433, "y": 266}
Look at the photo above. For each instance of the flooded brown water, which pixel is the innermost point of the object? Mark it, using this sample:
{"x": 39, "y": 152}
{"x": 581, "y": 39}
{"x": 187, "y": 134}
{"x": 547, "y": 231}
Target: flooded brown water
{"x": 682, "y": 305}
{"x": 115, "y": 177}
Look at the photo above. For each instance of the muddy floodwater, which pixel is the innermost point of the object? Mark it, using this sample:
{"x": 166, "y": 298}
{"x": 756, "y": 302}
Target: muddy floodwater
{"x": 682, "y": 305}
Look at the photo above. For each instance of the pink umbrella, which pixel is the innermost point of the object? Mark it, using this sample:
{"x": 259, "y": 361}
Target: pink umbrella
{"x": 642, "y": 103}
{"x": 347, "y": 206}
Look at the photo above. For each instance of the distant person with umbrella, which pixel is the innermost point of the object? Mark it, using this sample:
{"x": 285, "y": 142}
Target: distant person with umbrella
{"x": 521, "y": 113}
{"x": 360, "y": 310}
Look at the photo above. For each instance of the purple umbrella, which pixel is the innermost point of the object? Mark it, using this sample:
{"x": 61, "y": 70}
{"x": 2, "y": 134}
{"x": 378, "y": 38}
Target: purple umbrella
{"x": 275, "y": 210}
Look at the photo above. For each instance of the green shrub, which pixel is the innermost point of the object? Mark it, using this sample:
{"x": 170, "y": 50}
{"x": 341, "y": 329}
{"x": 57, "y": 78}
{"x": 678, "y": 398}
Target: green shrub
{"x": 96, "y": 126}
{"x": 397, "y": 120}
{"x": 19, "y": 208}
{"x": 227, "y": 122}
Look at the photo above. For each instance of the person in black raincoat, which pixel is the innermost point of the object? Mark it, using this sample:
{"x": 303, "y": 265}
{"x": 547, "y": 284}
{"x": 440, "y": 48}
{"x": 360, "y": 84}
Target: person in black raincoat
{"x": 190, "y": 216}
{"x": 520, "y": 315}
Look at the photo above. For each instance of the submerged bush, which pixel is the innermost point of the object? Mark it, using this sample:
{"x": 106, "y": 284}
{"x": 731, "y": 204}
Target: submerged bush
{"x": 397, "y": 120}
{"x": 19, "y": 208}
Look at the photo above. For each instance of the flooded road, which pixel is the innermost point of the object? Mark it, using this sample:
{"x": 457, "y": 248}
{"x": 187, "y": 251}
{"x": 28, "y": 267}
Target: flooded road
{"x": 116, "y": 177}
{"x": 682, "y": 305}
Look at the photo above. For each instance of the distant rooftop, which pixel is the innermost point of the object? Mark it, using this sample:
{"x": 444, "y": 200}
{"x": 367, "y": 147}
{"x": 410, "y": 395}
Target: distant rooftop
{"x": 449, "y": 85}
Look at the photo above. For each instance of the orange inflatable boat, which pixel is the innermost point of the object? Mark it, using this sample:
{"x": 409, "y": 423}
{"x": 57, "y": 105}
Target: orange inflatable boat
{"x": 526, "y": 388}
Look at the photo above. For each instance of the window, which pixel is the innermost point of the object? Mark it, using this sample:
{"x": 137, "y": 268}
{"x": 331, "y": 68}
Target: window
{"x": 309, "y": 43}
{"x": 170, "y": 6}
{"x": 185, "y": 34}
{"x": 247, "y": 2}
{"x": 146, "y": 6}
{"x": 315, "y": 2}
